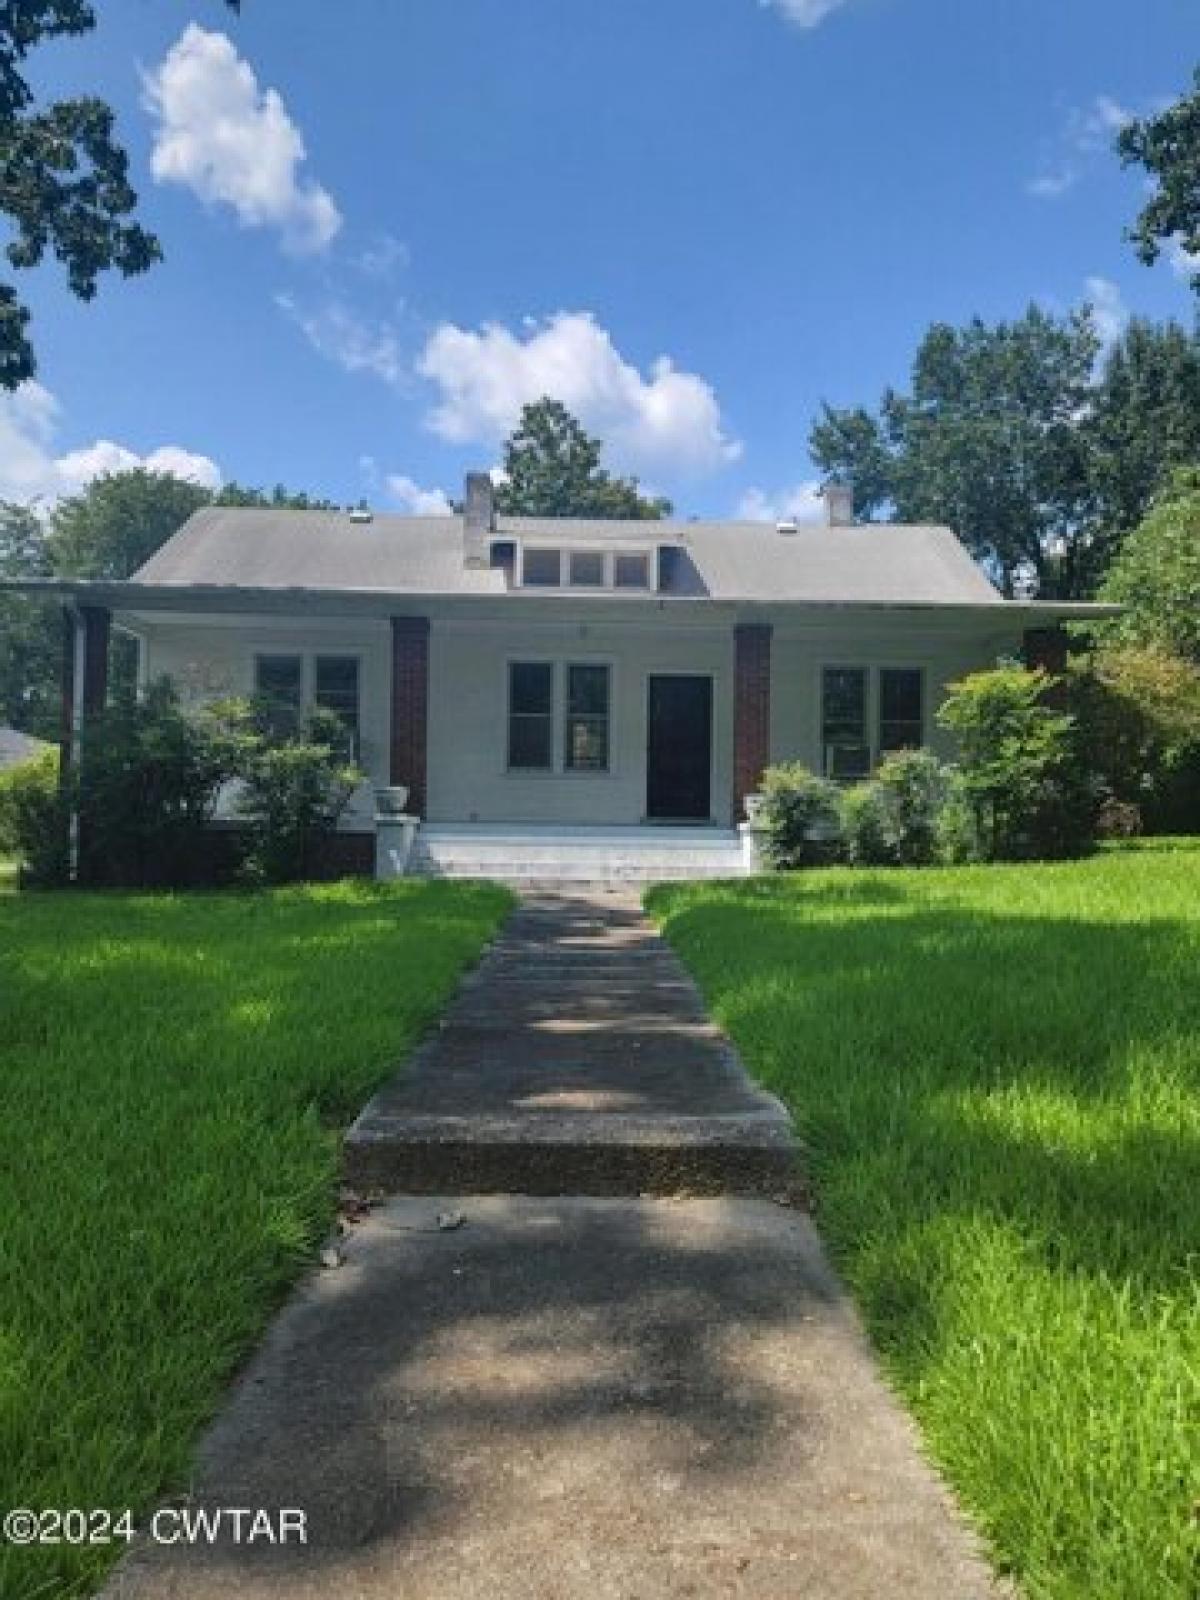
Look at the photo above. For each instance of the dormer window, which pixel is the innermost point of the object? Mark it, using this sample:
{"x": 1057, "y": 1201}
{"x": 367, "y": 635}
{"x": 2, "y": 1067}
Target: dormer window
{"x": 631, "y": 571}
{"x": 541, "y": 569}
{"x": 587, "y": 569}
{"x": 555, "y": 568}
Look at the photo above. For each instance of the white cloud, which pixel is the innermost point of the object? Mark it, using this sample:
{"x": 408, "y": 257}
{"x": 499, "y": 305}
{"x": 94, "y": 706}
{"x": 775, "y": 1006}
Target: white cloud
{"x": 1089, "y": 131}
{"x": 804, "y": 13}
{"x": 30, "y": 469}
{"x": 418, "y": 502}
{"x": 668, "y": 421}
{"x": 233, "y": 143}
{"x": 801, "y": 503}
{"x": 1185, "y": 263}
{"x": 1110, "y": 314}
{"x": 383, "y": 258}
{"x": 341, "y": 335}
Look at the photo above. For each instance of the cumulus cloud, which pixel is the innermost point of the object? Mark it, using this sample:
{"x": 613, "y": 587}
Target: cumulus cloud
{"x": 30, "y": 469}
{"x": 800, "y": 503}
{"x": 1185, "y": 263}
{"x": 1110, "y": 314}
{"x": 665, "y": 421}
{"x": 409, "y": 496}
{"x": 804, "y": 13}
{"x": 341, "y": 335}
{"x": 1089, "y": 131}
{"x": 233, "y": 143}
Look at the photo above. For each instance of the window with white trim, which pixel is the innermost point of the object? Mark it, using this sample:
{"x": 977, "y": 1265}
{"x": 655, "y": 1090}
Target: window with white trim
{"x": 336, "y": 690}
{"x": 585, "y": 746}
{"x": 901, "y": 709}
{"x": 279, "y": 690}
{"x": 866, "y": 713}
{"x": 541, "y": 569}
{"x": 531, "y": 716}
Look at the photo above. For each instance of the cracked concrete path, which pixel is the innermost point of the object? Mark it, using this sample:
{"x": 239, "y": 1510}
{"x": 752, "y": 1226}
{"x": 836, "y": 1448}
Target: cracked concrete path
{"x": 573, "y": 1399}
{"x": 578, "y": 1058}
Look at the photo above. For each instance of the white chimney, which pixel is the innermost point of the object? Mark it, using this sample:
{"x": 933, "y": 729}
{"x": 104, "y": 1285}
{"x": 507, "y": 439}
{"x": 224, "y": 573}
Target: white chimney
{"x": 479, "y": 519}
{"x": 839, "y": 503}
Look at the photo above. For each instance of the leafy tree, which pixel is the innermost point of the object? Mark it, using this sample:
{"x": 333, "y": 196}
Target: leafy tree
{"x": 1167, "y": 145}
{"x": 989, "y": 440}
{"x": 29, "y": 633}
{"x": 278, "y": 499}
{"x": 1145, "y": 421}
{"x": 1156, "y": 575}
{"x": 553, "y": 470}
{"x": 64, "y": 182}
{"x": 117, "y": 523}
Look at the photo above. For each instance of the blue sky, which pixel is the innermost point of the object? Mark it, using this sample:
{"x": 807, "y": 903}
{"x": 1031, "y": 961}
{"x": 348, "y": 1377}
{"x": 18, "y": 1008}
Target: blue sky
{"x": 693, "y": 219}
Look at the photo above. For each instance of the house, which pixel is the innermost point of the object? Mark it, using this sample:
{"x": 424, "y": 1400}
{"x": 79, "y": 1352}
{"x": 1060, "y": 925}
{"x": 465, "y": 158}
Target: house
{"x": 555, "y": 694}
{"x": 17, "y": 747}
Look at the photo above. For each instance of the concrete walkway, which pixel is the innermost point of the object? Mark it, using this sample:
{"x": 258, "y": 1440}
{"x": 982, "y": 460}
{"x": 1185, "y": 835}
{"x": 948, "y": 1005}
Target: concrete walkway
{"x": 577, "y": 1059}
{"x": 626, "y": 1398}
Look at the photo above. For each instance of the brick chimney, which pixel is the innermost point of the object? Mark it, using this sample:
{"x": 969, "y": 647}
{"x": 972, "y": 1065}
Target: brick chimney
{"x": 839, "y": 503}
{"x": 479, "y": 519}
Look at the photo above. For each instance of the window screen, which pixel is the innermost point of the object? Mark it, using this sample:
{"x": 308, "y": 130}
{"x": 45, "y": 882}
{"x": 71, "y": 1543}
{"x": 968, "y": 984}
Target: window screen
{"x": 586, "y": 743}
{"x": 542, "y": 569}
{"x": 901, "y": 709}
{"x": 587, "y": 569}
{"x": 279, "y": 689}
{"x": 631, "y": 572}
{"x": 337, "y": 691}
{"x": 531, "y": 716}
{"x": 844, "y": 722}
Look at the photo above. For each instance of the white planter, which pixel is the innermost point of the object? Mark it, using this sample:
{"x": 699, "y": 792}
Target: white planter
{"x": 390, "y": 802}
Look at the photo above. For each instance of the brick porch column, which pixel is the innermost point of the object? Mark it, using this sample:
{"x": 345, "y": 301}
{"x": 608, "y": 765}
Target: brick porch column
{"x": 410, "y": 708}
{"x": 751, "y": 710}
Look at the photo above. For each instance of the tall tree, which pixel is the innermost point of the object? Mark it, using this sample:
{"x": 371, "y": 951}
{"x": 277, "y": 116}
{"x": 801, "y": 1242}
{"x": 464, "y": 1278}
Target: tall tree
{"x": 553, "y": 469}
{"x": 987, "y": 439}
{"x": 1167, "y": 146}
{"x": 64, "y": 182}
{"x": 1145, "y": 422}
{"x": 118, "y": 522}
{"x": 1156, "y": 575}
{"x": 277, "y": 499}
{"x": 29, "y": 634}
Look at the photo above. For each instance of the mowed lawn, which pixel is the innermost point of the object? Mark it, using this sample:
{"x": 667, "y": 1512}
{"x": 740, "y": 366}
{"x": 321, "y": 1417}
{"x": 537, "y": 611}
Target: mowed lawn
{"x": 175, "y": 1072}
{"x": 997, "y": 1073}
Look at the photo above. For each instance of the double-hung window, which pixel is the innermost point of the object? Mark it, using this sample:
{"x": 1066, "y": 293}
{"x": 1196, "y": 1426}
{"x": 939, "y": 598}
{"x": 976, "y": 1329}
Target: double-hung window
{"x": 585, "y": 748}
{"x": 279, "y": 690}
{"x": 844, "y": 736}
{"x": 901, "y": 709}
{"x": 531, "y": 716}
{"x": 866, "y": 713}
{"x": 335, "y": 689}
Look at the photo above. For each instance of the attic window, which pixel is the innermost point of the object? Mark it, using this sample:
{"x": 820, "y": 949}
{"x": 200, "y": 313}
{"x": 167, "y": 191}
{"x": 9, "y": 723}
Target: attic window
{"x": 631, "y": 572}
{"x": 542, "y": 569}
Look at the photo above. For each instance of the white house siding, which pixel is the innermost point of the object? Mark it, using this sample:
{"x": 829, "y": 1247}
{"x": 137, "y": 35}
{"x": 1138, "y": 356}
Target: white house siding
{"x": 209, "y": 660}
{"x": 799, "y": 658}
{"x": 468, "y": 779}
{"x": 468, "y": 776}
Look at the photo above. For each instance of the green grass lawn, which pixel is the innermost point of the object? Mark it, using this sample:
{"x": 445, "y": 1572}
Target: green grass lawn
{"x": 997, "y": 1074}
{"x": 175, "y": 1070}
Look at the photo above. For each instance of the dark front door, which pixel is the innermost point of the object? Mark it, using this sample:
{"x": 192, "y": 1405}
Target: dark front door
{"x": 679, "y": 748}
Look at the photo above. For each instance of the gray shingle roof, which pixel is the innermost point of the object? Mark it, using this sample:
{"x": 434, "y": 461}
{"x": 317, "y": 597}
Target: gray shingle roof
{"x": 320, "y": 550}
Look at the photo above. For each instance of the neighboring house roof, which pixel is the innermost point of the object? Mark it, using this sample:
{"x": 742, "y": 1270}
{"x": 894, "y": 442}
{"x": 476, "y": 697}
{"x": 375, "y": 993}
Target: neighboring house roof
{"x": 17, "y": 747}
{"x": 868, "y": 564}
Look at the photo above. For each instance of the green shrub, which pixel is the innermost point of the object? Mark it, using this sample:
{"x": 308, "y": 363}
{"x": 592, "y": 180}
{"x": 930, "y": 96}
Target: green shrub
{"x": 35, "y": 819}
{"x": 293, "y": 793}
{"x": 893, "y": 819}
{"x": 800, "y": 818}
{"x": 151, "y": 778}
{"x": 959, "y": 841}
{"x": 1138, "y": 713}
{"x": 1021, "y": 768}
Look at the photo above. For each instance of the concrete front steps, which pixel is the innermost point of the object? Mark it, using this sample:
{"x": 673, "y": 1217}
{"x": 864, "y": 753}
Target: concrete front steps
{"x": 554, "y": 855}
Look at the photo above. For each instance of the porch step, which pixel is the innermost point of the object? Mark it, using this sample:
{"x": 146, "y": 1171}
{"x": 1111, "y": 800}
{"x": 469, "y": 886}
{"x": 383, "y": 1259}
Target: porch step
{"x": 529, "y": 856}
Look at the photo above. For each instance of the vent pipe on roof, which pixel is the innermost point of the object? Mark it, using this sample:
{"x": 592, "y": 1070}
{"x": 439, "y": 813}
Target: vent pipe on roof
{"x": 839, "y": 503}
{"x": 479, "y": 518}
{"x": 361, "y": 514}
